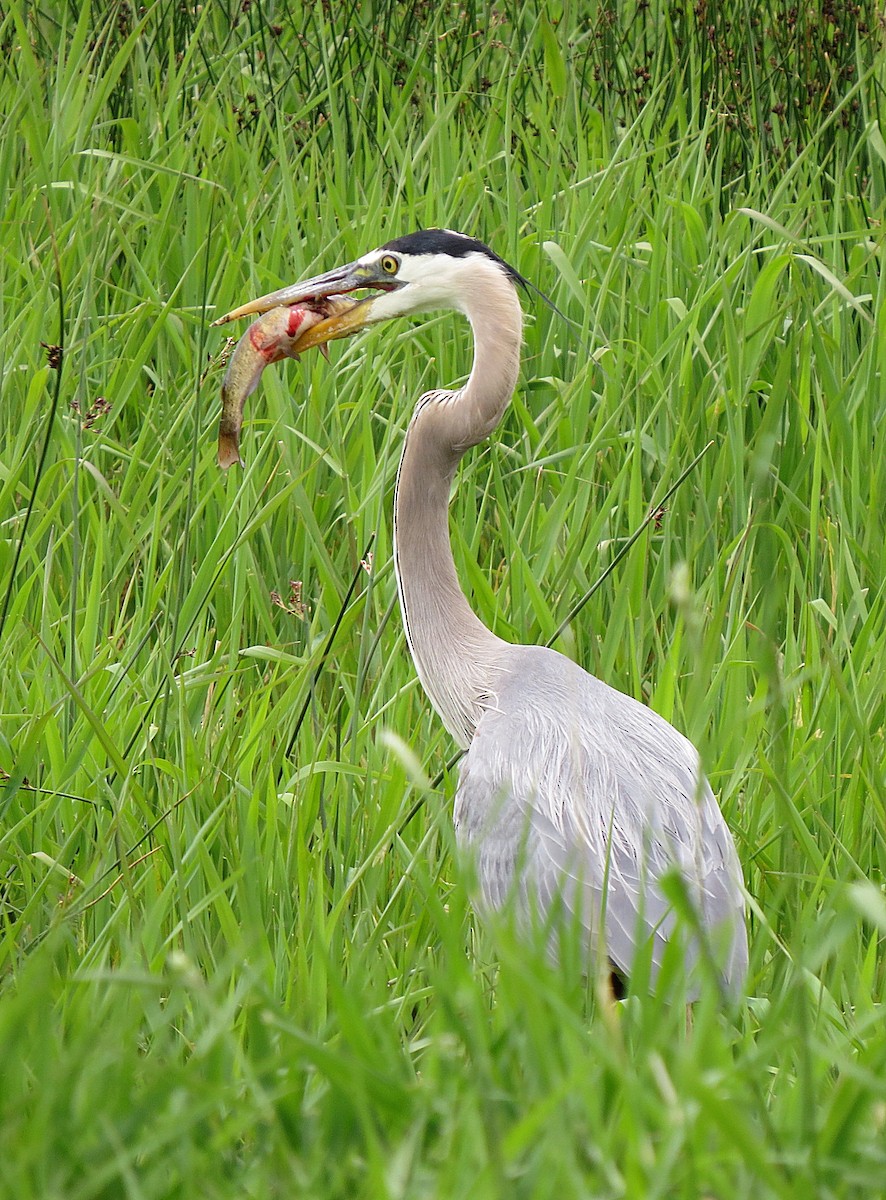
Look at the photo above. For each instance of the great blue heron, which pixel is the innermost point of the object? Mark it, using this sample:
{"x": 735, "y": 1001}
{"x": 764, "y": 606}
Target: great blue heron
{"x": 570, "y": 793}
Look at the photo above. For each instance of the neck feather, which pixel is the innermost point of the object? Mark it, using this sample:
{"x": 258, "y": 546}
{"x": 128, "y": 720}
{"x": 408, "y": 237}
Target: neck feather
{"x": 455, "y": 655}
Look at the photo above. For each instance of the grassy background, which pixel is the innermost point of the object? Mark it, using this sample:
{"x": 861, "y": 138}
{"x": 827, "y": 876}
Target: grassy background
{"x": 236, "y": 956}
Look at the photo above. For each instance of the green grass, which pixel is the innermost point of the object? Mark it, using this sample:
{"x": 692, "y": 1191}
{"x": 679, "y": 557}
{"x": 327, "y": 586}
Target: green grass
{"x": 236, "y": 954}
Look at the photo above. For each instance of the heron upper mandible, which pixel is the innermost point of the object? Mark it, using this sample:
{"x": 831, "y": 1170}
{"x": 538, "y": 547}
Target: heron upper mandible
{"x": 570, "y": 793}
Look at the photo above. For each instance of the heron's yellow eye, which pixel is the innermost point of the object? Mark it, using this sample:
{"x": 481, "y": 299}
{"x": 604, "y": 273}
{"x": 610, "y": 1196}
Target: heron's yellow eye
{"x": 389, "y": 264}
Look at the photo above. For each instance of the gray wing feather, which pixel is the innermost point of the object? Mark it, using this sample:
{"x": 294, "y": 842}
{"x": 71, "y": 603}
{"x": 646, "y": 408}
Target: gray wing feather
{"x": 571, "y": 792}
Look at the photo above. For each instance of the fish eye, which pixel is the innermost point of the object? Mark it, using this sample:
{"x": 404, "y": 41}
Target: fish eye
{"x": 389, "y": 264}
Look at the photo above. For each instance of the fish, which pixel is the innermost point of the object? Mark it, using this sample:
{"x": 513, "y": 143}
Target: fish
{"x": 282, "y": 332}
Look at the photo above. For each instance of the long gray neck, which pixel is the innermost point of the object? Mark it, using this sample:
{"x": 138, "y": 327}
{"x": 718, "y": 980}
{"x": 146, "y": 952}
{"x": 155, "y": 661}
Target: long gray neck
{"x": 457, "y": 658}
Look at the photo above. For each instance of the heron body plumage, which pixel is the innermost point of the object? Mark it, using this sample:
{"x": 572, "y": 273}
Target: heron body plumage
{"x": 574, "y": 794}
{"x": 571, "y": 795}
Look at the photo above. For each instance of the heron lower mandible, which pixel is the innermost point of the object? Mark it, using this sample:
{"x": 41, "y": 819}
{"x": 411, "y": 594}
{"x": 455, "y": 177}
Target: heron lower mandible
{"x": 570, "y": 793}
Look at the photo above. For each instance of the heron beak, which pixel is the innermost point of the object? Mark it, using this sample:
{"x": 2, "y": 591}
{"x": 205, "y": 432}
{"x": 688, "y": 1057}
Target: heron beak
{"x": 339, "y": 282}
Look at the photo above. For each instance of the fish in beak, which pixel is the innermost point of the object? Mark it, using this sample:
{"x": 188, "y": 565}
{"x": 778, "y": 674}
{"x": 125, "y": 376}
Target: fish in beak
{"x": 290, "y": 321}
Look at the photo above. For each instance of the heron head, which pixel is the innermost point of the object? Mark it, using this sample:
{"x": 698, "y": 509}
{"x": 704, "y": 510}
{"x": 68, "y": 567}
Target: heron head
{"x": 421, "y": 272}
